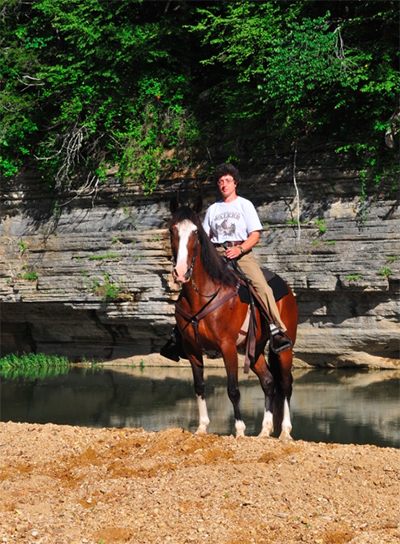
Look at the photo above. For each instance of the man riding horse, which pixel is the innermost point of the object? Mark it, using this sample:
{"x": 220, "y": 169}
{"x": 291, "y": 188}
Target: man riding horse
{"x": 235, "y": 242}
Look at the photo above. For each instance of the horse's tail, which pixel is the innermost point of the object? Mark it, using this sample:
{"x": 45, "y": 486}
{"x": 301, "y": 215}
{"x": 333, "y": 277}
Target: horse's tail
{"x": 280, "y": 364}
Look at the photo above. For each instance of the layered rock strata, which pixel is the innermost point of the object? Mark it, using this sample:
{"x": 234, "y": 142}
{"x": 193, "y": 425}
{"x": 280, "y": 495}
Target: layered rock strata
{"x": 90, "y": 276}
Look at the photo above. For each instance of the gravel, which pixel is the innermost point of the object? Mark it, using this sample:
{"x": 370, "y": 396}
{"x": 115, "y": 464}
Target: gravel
{"x": 70, "y": 485}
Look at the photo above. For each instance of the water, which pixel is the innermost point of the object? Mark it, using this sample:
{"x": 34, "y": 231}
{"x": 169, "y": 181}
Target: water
{"x": 342, "y": 406}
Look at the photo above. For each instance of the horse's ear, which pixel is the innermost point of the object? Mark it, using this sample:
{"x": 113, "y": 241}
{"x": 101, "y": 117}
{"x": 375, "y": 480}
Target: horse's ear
{"x": 173, "y": 205}
{"x": 198, "y": 205}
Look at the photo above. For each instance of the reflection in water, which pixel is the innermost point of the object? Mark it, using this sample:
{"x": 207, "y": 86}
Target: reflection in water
{"x": 327, "y": 405}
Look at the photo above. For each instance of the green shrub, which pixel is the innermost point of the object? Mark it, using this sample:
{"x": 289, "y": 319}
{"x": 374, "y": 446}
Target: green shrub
{"x": 107, "y": 290}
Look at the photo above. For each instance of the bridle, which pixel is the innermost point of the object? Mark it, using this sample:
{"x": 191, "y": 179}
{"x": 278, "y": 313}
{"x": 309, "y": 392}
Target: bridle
{"x": 196, "y": 250}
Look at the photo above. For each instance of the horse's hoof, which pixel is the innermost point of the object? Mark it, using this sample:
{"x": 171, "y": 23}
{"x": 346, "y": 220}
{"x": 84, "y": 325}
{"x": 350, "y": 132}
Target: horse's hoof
{"x": 285, "y": 437}
{"x": 264, "y": 434}
{"x": 240, "y": 428}
{"x": 201, "y": 431}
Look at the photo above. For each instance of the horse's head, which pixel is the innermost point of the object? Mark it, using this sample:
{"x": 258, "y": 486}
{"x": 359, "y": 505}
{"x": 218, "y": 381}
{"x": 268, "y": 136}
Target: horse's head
{"x": 188, "y": 240}
{"x": 184, "y": 229}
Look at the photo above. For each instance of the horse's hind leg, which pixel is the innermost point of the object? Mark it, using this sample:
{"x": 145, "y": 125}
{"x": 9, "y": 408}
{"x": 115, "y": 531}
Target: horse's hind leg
{"x": 199, "y": 388}
{"x": 281, "y": 365}
{"x": 267, "y": 384}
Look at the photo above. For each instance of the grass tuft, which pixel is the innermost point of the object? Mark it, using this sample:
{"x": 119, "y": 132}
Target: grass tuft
{"x": 32, "y": 366}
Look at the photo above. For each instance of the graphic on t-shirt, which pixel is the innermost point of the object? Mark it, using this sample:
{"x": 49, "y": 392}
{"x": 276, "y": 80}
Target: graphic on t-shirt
{"x": 225, "y": 228}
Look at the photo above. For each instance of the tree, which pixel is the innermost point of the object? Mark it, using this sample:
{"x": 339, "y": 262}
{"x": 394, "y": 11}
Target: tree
{"x": 143, "y": 84}
{"x": 94, "y": 83}
{"x": 300, "y": 72}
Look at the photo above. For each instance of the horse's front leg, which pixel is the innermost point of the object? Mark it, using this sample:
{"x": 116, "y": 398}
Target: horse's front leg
{"x": 231, "y": 364}
{"x": 199, "y": 388}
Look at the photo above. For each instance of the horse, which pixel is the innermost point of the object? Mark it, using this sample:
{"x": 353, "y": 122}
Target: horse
{"x": 210, "y": 317}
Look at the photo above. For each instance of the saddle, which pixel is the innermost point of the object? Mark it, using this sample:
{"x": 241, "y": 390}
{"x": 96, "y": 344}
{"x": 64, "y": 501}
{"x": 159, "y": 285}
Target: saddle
{"x": 278, "y": 285}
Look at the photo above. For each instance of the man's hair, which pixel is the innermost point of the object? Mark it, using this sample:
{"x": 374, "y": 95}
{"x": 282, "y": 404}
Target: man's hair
{"x": 224, "y": 169}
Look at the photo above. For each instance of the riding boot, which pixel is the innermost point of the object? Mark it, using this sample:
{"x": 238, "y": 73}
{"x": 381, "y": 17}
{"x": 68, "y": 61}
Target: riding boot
{"x": 173, "y": 349}
{"x": 279, "y": 341}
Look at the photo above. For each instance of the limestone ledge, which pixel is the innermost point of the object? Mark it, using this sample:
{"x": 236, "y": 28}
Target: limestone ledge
{"x": 94, "y": 279}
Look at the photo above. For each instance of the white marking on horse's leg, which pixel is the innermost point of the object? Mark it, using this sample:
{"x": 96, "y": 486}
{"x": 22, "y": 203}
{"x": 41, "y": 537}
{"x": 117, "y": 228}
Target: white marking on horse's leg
{"x": 240, "y": 428}
{"x": 267, "y": 425}
{"x": 203, "y": 416}
{"x": 286, "y": 423}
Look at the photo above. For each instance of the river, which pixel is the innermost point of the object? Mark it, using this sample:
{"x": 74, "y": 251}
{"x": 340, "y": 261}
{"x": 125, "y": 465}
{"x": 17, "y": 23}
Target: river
{"x": 343, "y": 406}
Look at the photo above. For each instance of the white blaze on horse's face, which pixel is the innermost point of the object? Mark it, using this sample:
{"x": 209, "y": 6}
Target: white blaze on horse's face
{"x": 185, "y": 230}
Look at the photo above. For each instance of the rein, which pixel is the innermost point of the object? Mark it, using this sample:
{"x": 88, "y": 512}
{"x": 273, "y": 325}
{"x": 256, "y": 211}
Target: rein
{"x": 213, "y": 295}
{"x": 196, "y": 249}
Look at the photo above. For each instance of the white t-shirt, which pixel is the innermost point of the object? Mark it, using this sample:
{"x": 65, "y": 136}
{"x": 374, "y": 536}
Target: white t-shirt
{"x": 231, "y": 221}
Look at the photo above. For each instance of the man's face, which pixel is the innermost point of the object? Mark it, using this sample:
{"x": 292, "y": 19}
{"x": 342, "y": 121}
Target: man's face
{"x": 227, "y": 186}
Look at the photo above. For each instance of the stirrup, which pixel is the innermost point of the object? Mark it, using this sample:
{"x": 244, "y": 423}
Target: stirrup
{"x": 286, "y": 342}
{"x": 170, "y": 350}
{"x": 173, "y": 349}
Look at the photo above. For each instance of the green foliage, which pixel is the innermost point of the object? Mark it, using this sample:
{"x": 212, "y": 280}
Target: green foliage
{"x": 102, "y": 257}
{"x": 22, "y": 245}
{"x": 32, "y": 366}
{"x": 30, "y": 276}
{"x": 107, "y": 290}
{"x": 385, "y": 272}
{"x": 91, "y": 84}
{"x": 148, "y": 87}
{"x": 321, "y": 224}
{"x": 354, "y": 277}
{"x": 317, "y": 72}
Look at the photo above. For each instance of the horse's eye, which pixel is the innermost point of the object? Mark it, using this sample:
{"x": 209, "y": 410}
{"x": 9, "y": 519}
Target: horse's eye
{"x": 195, "y": 232}
{"x": 171, "y": 231}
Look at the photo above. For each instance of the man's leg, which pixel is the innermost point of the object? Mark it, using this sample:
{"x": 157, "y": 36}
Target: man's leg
{"x": 253, "y": 271}
{"x": 278, "y": 340}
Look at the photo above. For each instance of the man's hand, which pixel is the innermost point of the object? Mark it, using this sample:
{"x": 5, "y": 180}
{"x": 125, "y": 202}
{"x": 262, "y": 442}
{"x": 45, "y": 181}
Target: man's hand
{"x": 233, "y": 252}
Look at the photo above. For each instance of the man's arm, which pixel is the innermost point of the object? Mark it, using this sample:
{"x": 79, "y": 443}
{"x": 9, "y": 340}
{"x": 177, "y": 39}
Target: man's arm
{"x": 235, "y": 251}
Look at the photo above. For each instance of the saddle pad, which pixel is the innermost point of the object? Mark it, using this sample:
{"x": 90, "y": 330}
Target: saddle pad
{"x": 277, "y": 284}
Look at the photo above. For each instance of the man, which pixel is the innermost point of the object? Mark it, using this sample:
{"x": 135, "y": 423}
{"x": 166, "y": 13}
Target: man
{"x": 233, "y": 221}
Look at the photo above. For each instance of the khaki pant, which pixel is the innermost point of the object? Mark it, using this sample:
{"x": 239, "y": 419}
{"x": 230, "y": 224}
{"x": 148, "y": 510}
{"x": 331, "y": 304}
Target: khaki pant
{"x": 251, "y": 268}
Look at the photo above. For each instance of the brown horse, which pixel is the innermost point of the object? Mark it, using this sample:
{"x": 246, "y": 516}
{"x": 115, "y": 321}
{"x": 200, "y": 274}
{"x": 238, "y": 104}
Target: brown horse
{"x": 210, "y": 317}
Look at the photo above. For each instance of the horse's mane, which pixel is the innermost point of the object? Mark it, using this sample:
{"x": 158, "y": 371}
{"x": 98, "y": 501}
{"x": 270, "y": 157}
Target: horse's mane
{"x": 214, "y": 265}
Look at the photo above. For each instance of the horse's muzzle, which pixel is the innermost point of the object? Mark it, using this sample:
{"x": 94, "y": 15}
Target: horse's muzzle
{"x": 179, "y": 278}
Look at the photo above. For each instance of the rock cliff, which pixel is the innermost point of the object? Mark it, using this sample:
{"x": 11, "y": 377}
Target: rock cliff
{"x": 90, "y": 275}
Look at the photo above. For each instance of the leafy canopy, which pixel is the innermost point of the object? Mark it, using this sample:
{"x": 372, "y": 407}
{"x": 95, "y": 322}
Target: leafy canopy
{"x": 152, "y": 86}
